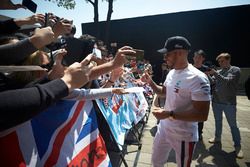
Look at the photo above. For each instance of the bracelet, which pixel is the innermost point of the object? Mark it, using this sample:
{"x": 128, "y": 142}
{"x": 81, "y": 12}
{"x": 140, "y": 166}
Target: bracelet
{"x": 111, "y": 81}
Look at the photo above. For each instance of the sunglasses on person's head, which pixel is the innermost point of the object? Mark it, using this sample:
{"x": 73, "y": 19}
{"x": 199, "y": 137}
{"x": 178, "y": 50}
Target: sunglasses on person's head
{"x": 221, "y": 61}
{"x": 46, "y": 66}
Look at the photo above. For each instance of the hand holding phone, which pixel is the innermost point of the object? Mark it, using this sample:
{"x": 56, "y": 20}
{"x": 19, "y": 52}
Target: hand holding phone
{"x": 139, "y": 55}
{"x": 97, "y": 53}
{"x": 32, "y": 6}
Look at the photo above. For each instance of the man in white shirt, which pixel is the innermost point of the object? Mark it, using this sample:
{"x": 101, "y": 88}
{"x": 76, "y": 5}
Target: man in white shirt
{"x": 187, "y": 92}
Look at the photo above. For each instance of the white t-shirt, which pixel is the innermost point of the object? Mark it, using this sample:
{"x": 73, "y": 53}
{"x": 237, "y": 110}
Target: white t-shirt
{"x": 183, "y": 86}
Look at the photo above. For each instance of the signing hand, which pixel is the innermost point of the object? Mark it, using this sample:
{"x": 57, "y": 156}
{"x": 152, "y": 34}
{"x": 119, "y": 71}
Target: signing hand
{"x": 146, "y": 78}
{"x": 119, "y": 91}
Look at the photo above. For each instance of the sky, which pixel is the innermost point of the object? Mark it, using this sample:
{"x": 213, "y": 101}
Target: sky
{"x": 83, "y": 12}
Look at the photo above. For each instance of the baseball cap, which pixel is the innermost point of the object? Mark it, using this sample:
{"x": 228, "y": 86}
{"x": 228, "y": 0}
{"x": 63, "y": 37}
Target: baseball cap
{"x": 175, "y": 42}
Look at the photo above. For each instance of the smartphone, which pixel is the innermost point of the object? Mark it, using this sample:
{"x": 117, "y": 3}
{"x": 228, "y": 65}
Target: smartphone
{"x": 139, "y": 54}
{"x": 30, "y": 5}
{"x": 46, "y": 23}
{"x": 97, "y": 53}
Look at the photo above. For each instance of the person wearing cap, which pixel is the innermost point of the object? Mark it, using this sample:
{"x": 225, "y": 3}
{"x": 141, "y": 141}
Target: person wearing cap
{"x": 187, "y": 92}
{"x": 224, "y": 100}
{"x": 199, "y": 58}
{"x": 247, "y": 87}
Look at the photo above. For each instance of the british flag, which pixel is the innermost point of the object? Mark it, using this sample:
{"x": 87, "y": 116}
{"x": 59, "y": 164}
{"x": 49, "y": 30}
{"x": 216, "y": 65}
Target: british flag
{"x": 66, "y": 134}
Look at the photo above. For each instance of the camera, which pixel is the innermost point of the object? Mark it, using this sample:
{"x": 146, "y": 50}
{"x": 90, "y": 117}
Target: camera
{"x": 77, "y": 50}
{"x": 97, "y": 53}
{"x": 59, "y": 44}
{"x": 51, "y": 19}
{"x": 207, "y": 66}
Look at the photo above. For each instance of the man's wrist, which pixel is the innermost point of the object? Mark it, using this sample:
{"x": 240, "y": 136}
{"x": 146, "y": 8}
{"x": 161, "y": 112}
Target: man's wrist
{"x": 171, "y": 115}
{"x": 67, "y": 83}
{"x": 151, "y": 83}
{"x": 111, "y": 81}
{"x": 35, "y": 40}
{"x": 19, "y": 22}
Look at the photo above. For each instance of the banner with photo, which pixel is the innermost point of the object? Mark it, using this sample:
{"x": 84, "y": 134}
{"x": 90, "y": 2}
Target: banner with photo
{"x": 122, "y": 112}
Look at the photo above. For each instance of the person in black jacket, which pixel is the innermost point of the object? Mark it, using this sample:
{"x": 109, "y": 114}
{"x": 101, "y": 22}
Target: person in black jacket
{"x": 247, "y": 87}
{"x": 199, "y": 58}
{"x": 13, "y": 53}
{"x": 20, "y": 105}
{"x": 10, "y": 53}
{"x": 7, "y": 4}
{"x": 12, "y": 25}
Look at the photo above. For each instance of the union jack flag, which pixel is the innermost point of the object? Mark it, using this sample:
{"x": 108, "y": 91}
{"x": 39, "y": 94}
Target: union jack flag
{"x": 66, "y": 134}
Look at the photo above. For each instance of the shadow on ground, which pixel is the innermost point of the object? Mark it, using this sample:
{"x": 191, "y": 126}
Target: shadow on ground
{"x": 219, "y": 156}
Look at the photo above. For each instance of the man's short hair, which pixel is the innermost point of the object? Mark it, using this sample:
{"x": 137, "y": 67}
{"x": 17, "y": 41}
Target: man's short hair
{"x": 227, "y": 56}
{"x": 200, "y": 52}
{"x": 73, "y": 30}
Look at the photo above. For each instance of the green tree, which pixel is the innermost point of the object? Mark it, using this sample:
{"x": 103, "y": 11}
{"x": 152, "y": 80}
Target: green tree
{"x": 70, "y": 4}
{"x": 108, "y": 20}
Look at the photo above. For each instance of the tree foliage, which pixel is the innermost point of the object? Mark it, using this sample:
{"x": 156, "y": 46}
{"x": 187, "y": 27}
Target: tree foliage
{"x": 68, "y": 4}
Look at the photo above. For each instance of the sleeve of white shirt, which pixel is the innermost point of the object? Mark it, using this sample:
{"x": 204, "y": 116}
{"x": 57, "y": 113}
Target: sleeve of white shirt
{"x": 200, "y": 89}
{"x": 89, "y": 94}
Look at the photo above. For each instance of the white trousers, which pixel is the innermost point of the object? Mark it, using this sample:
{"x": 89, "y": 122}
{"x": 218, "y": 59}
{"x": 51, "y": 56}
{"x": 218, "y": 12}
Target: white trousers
{"x": 163, "y": 144}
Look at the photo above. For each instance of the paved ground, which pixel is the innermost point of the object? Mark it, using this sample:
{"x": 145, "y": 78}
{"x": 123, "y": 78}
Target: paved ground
{"x": 206, "y": 154}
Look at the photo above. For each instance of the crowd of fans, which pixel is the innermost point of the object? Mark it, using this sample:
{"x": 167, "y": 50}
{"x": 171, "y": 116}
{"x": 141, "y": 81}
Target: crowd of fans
{"x": 30, "y": 92}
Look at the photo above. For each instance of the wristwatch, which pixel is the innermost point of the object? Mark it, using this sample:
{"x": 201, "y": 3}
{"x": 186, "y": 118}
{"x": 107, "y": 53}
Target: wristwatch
{"x": 171, "y": 115}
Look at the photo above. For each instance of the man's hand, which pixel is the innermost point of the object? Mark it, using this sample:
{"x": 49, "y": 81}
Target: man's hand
{"x": 42, "y": 37}
{"x": 119, "y": 91}
{"x": 211, "y": 72}
{"x": 160, "y": 113}
{"x": 116, "y": 73}
{"x": 120, "y": 57}
{"x": 146, "y": 78}
{"x": 36, "y": 18}
{"x": 77, "y": 74}
{"x": 61, "y": 28}
{"x": 58, "y": 69}
{"x": 7, "y": 4}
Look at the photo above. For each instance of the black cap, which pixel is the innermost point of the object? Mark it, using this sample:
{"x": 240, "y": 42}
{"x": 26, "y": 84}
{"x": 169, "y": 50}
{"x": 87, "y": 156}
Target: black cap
{"x": 176, "y": 42}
